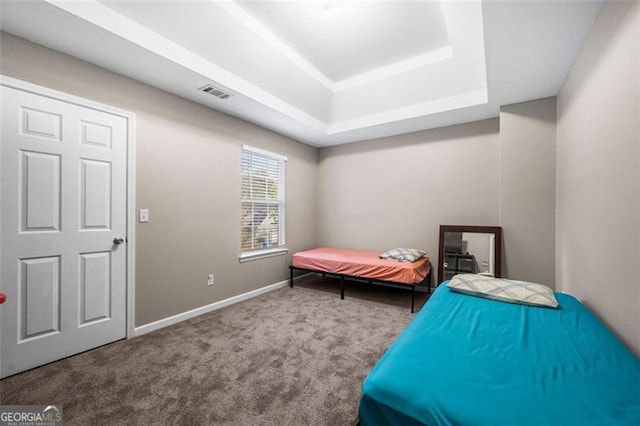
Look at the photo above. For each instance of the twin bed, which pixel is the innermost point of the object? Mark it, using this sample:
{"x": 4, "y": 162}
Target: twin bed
{"x": 467, "y": 360}
{"x": 363, "y": 265}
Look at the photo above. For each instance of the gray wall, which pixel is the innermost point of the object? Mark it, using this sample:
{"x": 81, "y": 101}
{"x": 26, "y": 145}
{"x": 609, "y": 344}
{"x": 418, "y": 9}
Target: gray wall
{"x": 396, "y": 191}
{"x": 188, "y": 175}
{"x": 598, "y": 178}
{"x": 527, "y": 190}
{"x": 480, "y": 246}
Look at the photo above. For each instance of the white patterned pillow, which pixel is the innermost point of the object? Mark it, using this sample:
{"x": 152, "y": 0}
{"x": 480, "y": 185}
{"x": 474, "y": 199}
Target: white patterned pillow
{"x": 403, "y": 254}
{"x": 504, "y": 290}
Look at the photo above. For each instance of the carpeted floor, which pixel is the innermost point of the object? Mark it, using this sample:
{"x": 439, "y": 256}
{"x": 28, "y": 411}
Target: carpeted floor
{"x": 290, "y": 357}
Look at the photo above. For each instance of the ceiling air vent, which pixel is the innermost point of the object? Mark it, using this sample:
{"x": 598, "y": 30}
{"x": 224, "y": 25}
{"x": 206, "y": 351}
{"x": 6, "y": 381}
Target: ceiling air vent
{"x": 215, "y": 92}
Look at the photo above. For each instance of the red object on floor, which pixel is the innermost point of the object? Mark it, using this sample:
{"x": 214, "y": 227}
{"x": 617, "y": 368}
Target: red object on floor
{"x": 3, "y": 298}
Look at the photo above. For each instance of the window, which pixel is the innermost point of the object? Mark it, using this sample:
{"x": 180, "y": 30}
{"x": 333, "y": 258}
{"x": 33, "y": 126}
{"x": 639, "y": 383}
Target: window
{"x": 263, "y": 204}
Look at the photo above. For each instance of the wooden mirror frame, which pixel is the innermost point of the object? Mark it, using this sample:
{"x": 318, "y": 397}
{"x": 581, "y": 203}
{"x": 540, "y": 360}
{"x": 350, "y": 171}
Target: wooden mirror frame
{"x": 495, "y": 230}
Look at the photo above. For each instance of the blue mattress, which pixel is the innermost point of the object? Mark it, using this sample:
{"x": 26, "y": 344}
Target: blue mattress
{"x": 472, "y": 361}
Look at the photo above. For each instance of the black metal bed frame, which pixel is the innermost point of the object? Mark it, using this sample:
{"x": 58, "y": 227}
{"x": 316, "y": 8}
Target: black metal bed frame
{"x": 342, "y": 277}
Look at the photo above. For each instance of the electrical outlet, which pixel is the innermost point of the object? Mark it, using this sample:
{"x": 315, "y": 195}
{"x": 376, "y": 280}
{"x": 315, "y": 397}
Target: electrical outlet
{"x": 210, "y": 279}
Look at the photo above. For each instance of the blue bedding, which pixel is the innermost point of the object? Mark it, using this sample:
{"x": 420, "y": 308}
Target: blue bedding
{"x": 471, "y": 361}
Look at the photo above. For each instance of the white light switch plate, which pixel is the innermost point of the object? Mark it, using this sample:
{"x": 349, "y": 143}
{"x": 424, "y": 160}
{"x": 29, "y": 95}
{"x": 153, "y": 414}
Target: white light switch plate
{"x": 144, "y": 215}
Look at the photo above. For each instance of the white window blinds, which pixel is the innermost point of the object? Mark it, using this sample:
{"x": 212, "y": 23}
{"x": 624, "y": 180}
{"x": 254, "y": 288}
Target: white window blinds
{"x": 263, "y": 202}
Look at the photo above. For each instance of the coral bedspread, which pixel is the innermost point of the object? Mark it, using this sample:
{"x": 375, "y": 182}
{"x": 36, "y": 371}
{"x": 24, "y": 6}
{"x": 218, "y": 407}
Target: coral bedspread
{"x": 365, "y": 264}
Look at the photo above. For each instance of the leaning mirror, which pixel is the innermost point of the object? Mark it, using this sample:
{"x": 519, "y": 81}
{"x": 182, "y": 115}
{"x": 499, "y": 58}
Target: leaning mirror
{"x": 469, "y": 250}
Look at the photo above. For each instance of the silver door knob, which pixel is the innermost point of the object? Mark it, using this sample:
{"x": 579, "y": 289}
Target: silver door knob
{"x": 118, "y": 240}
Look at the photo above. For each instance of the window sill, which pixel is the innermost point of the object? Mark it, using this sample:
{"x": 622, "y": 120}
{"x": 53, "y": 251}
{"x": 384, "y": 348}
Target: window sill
{"x": 262, "y": 254}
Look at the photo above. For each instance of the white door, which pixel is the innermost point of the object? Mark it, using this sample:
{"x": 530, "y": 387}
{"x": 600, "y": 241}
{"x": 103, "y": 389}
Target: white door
{"x": 63, "y": 184}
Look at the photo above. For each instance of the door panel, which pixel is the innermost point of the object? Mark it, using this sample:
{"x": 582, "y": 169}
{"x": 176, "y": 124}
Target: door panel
{"x": 95, "y": 191}
{"x": 40, "y": 191}
{"x": 94, "y": 134}
{"x": 95, "y": 287}
{"x": 39, "y": 296}
{"x": 63, "y": 183}
{"x": 42, "y": 124}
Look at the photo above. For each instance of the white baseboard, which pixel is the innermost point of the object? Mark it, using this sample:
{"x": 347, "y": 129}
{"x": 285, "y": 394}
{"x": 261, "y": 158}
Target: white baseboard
{"x": 165, "y": 322}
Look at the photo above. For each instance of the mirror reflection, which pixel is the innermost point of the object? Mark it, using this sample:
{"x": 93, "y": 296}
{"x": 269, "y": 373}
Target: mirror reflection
{"x": 469, "y": 249}
{"x": 467, "y": 252}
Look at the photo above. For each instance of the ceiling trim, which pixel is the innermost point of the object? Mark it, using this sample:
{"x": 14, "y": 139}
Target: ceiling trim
{"x": 461, "y": 100}
{"x": 110, "y": 20}
{"x": 231, "y": 7}
{"x": 261, "y": 31}
{"x": 509, "y": 65}
{"x": 419, "y": 61}
{"x": 122, "y": 26}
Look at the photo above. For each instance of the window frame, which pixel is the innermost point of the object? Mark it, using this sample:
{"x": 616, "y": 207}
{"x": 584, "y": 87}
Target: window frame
{"x": 261, "y": 253}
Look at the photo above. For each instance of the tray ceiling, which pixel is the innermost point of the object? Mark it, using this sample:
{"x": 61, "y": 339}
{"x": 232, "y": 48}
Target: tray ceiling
{"x": 325, "y": 72}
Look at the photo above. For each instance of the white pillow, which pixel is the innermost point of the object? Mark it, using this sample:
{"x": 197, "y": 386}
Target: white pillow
{"x": 504, "y": 290}
{"x": 403, "y": 254}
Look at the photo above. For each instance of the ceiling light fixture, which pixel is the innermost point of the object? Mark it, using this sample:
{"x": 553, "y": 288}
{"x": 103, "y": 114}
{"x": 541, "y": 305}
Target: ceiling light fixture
{"x": 327, "y": 10}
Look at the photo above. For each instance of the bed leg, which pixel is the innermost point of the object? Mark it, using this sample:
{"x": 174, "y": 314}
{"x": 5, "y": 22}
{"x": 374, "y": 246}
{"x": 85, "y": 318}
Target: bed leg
{"x": 291, "y": 276}
{"x": 413, "y": 296}
{"x": 341, "y": 286}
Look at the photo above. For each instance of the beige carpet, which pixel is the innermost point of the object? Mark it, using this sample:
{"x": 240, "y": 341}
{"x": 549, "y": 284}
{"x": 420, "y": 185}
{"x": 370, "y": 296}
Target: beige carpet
{"x": 290, "y": 357}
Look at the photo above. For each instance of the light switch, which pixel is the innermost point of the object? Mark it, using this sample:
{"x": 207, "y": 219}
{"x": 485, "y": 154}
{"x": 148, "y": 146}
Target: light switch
{"x": 144, "y": 215}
